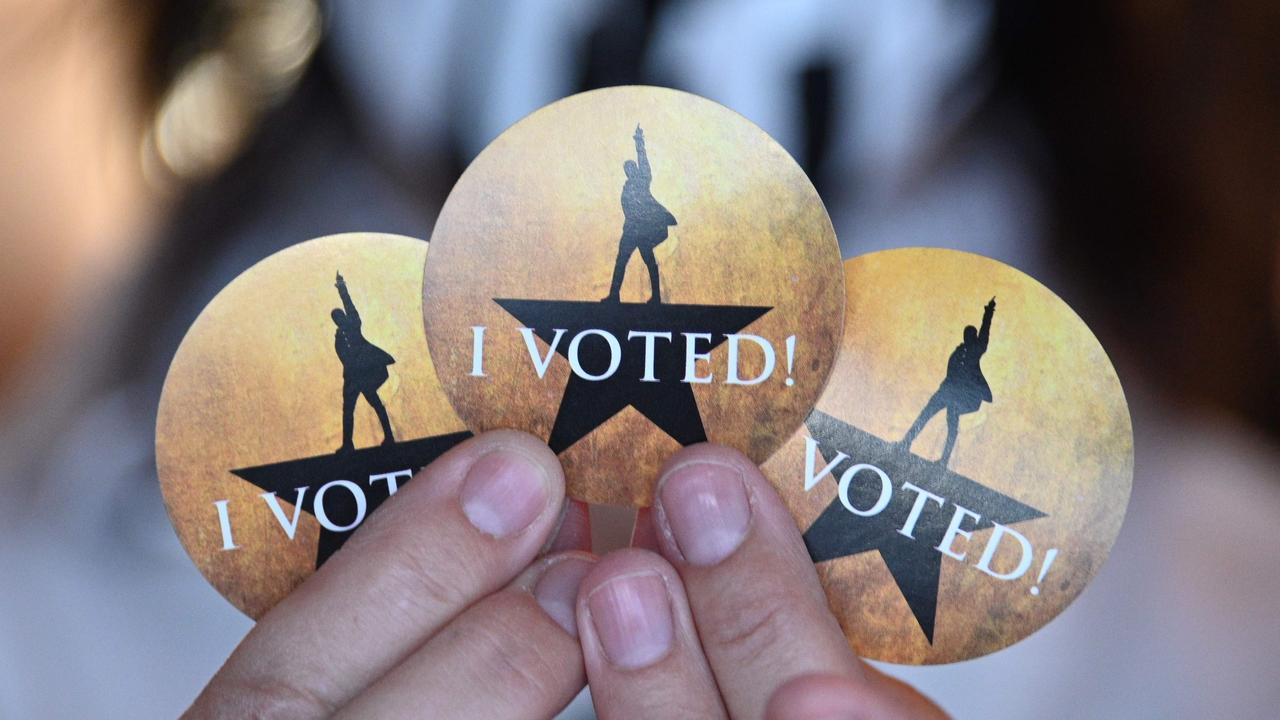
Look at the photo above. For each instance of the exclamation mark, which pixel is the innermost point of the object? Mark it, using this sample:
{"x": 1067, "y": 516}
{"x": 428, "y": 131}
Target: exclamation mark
{"x": 791, "y": 359}
{"x": 1044, "y": 569}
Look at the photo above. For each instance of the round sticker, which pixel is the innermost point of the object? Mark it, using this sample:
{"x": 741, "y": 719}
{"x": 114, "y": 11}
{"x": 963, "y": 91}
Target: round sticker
{"x": 627, "y": 271}
{"x": 967, "y": 468}
{"x": 300, "y": 400}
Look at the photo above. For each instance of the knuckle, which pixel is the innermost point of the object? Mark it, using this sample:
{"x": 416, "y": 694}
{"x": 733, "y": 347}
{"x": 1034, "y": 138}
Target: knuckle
{"x": 261, "y": 698}
{"x": 520, "y": 665}
{"x": 422, "y": 574}
{"x": 421, "y": 580}
{"x": 746, "y": 631}
{"x": 523, "y": 670}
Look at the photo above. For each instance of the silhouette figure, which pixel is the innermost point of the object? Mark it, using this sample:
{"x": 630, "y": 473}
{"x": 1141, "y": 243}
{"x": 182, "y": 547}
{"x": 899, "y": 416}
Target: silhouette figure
{"x": 645, "y": 225}
{"x": 964, "y": 388}
{"x": 364, "y": 368}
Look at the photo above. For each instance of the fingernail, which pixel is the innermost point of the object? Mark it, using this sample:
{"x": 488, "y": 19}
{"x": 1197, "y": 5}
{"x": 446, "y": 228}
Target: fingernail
{"x": 705, "y": 507}
{"x": 503, "y": 492}
{"x": 555, "y": 529}
{"x": 632, "y": 617}
{"x": 557, "y": 591}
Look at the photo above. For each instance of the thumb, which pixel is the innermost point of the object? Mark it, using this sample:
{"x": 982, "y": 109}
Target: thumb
{"x": 816, "y": 696}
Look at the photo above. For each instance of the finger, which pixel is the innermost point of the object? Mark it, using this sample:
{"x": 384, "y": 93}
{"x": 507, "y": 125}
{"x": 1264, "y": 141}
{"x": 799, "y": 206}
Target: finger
{"x": 464, "y": 527}
{"x": 836, "y": 697}
{"x": 760, "y": 611}
{"x": 575, "y": 529}
{"x": 639, "y": 643}
{"x": 643, "y": 535}
{"x": 514, "y": 654}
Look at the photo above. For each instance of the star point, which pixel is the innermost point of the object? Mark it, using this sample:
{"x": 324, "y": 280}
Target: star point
{"x": 914, "y": 561}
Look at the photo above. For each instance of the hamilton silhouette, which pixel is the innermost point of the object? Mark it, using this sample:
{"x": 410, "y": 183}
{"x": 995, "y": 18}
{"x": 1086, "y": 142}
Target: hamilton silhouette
{"x": 645, "y": 225}
{"x": 963, "y": 390}
{"x": 364, "y": 368}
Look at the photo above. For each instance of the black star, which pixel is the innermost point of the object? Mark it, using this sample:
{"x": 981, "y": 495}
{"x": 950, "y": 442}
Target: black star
{"x": 667, "y": 401}
{"x": 915, "y": 564}
{"x": 284, "y": 478}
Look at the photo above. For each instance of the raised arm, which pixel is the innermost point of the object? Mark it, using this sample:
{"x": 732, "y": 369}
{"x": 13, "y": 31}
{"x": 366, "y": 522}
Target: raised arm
{"x": 985, "y": 333}
{"x": 348, "y": 306}
{"x": 642, "y": 158}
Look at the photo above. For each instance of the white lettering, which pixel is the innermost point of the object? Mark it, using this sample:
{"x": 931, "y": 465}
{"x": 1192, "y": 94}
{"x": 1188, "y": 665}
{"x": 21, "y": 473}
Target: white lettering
{"x": 988, "y": 554}
{"x": 323, "y": 517}
{"x": 290, "y": 526}
{"x": 886, "y": 490}
{"x": 228, "y": 542}
{"x": 615, "y": 354}
{"x": 953, "y": 530}
{"x": 648, "y": 350}
{"x": 913, "y": 517}
{"x": 692, "y": 357}
{"x": 390, "y": 479}
{"x": 477, "y": 351}
{"x": 540, "y": 365}
{"x": 810, "y": 456}
{"x": 769, "y": 360}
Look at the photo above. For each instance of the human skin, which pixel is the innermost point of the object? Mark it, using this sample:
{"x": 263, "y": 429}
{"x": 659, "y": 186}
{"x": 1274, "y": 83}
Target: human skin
{"x": 75, "y": 209}
{"x": 445, "y": 600}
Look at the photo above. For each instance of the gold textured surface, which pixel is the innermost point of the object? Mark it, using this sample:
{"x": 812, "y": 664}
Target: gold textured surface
{"x": 1056, "y": 437}
{"x": 256, "y": 381}
{"x": 537, "y": 216}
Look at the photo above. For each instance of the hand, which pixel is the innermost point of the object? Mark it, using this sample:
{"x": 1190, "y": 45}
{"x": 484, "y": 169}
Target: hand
{"x": 439, "y": 603}
{"x": 729, "y": 620}
{"x": 340, "y": 282}
{"x": 639, "y": 133}
{"x": 991, "y": 304}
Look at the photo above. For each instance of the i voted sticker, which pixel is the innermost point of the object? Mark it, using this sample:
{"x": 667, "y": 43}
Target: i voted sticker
{"x": 302, "y": 397}
{"x": 967, "y": 468}
{"x": 627, "y": 271}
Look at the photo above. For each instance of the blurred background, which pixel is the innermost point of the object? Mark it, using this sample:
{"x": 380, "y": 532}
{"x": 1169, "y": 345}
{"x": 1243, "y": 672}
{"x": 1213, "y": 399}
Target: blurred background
{"x": 1125, "y": 153}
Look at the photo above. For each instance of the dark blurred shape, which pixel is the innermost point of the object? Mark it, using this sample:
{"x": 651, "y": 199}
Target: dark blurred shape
{"x": 180, "y": 28}
{"x": 614, "y": 52}
{"x": 1162, "y": 126}
{"x": 818, "y": 104}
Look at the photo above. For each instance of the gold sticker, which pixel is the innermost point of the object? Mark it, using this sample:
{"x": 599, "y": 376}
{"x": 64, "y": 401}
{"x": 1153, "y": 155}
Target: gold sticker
{"x": 967, "y": 468}
{"x": 627, "y": 271}
{"x": 300, "y": 400}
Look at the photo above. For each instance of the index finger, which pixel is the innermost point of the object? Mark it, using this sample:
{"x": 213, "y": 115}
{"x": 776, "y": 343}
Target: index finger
{"x": 465, "y": 526}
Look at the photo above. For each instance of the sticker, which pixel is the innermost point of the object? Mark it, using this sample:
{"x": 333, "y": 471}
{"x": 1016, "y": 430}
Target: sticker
{"x": 967, "y": 469}
{"x": 627, "y": 271}
{"x": 300, "y": 400}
